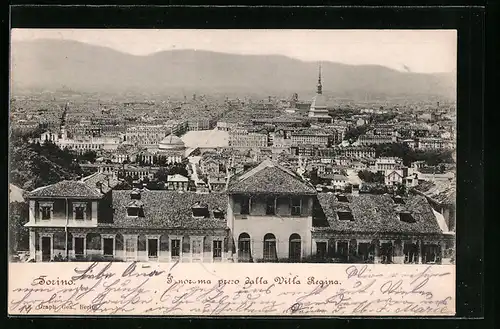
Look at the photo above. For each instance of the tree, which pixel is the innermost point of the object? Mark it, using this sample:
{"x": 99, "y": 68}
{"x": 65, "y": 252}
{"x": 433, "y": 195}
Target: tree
{"x": 313, "y": 176}
{"x": 401, "y": 190}
{"x": 353, "y": 133}
{"x": 123, "y": 185}
{"x": 90, "y": 156}
{"x": 161, "y": 175}
{"x": 370, "y": 177}
{"x": 18, "y": 234}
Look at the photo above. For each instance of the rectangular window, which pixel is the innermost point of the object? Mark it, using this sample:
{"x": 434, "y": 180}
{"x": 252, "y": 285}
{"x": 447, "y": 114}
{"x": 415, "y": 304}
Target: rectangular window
{"x": 79, "y": 247}
{"x": 345, "y": 215}
{"x": 244, "y": 254}
{"x": 175, "y": 248}
{"x": 46, "y": 212}
{"x": 342, "y": 250}
{"x": 197, "y": 248}
{"x": 411, "y": 253}
{"x": 364, "y": 251}
{"x": 132, "y": 212}
{"x": 270, "y": 206}
{"x": 321, "y": 250}
{"x": 217, "y": 249}
{"x": 270, "y": 250}
{"x": 108, "y": 246}
{"x": 245, "y": 206}
{"x": 152, "y": 248}
{"x": 296, "y": 206}
{"x": 130, "y": 248}
{"x": 79, "y": 213}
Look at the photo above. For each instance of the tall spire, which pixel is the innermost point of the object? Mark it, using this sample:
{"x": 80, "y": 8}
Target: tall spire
{"x": 320, "y": 87}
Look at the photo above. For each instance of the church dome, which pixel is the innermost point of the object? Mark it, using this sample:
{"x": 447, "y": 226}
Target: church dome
{"x": 171, "y": 142}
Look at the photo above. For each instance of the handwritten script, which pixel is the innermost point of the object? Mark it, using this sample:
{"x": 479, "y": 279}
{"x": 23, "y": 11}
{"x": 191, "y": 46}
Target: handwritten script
{"x": 230, "y": 289}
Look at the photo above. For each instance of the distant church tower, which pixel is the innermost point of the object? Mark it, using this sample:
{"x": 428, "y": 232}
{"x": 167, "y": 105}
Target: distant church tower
{"x": 318, "y": 109}
{"x": 319, "y": 91}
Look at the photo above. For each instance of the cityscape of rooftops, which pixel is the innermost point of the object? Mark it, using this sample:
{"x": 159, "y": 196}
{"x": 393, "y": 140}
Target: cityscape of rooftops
{"x": 200, "y": 151}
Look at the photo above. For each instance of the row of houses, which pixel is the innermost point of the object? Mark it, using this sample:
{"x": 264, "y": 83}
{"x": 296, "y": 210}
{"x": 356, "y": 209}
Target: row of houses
{"x": 266, "y": 214}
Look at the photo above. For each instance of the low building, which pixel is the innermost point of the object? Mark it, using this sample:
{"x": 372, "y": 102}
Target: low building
{"x": 217, "y": 183}
{"x": 369, "y": 139}
{"x": 177, "y": 182}
{"x": 430, "y": 143}
{"x": 146, "y": 134}
{"x": 196, "y": 124}
{"x": 269, "y": 214}
{"x": 311, "y": 137}
{"x": 387, "y": 163}
{"x": 368, "y": 228}
{"x": 393, "y": 177}
{"x": 242, "y": 138}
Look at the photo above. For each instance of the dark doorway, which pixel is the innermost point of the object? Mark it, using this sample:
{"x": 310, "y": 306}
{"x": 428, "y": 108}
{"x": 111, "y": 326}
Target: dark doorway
{"x": 366, "y": 252}
{"x": 108, "y": 247}
{"x": 46, "y": 249}
{"x": 342, "y": 251}
{"x": 244, "y": 252}
{"x": 153, "y": 248}
{"x": 79, "y": 253}
{"x": 321, "y": 251}
{"x": 386, "y": 252}
{"x": 295, "y": 248}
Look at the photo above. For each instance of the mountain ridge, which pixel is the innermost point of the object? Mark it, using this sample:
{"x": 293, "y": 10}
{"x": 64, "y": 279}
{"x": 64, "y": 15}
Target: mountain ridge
{"x": 86, "y": 67}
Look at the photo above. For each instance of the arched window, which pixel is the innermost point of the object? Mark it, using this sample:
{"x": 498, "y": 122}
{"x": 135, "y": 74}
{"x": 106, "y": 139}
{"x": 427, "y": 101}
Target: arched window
{"x": 270, "y": 247}
{"x": 244, "y": 253}
{"x": 295, "y": 248}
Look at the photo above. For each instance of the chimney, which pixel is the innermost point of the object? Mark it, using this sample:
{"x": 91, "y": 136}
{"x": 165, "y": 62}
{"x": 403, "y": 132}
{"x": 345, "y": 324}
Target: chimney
{"x": 355, "y": 189}
{"x": 99, "y": 186}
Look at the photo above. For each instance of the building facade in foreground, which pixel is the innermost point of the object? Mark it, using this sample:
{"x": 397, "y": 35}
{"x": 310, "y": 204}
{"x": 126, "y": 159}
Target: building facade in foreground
{"x": 266, "y": 214}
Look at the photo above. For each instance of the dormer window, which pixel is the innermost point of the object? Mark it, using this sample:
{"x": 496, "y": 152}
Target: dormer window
{"x": 218, "y": 213}
{"x": 345, "y": 215}
{"x": 342, "y": 198}
{"x": 398, "y": 200}
{"x": 135, "y": 209}
{"x": 133, "y": 212}
{"x": 135, "y": 195}
{"x": 200, "y": 210}
{"x": 406, "y": 216}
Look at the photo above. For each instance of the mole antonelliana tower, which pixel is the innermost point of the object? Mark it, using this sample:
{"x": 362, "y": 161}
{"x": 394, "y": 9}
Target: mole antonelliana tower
{"x": 318, "y": 109}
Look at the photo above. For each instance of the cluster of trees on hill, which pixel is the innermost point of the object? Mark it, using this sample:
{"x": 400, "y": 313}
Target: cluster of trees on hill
{"x": 370, "y": 177}
{"x": 35, "y": 165}
{"x": 353, "y": 133}
{"x": 409, "y": 155}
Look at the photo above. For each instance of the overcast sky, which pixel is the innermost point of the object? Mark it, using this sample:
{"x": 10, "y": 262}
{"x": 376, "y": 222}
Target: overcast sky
{"x": 419, "y": 50}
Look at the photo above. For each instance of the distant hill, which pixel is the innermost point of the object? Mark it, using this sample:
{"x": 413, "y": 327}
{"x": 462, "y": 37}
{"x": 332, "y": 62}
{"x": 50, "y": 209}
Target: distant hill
{"x": 56, "y": 64}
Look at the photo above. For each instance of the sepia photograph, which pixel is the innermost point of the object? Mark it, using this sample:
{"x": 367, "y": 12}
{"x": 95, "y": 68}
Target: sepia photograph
{"x": 310, "y": 150}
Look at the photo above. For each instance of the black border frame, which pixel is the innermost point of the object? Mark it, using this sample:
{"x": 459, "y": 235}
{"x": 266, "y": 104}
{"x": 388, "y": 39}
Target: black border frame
{"x": 470, "y": 23}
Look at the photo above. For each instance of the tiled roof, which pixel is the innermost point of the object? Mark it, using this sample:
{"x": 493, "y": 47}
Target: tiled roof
{"x": 167, "y": 210}
{"x": 375, "y": 214}
{"x": 443, "y": 192}
{"x": 67, "y": 189}
{"x": 269, "y": 177}
{"x": 107, "y": 182}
